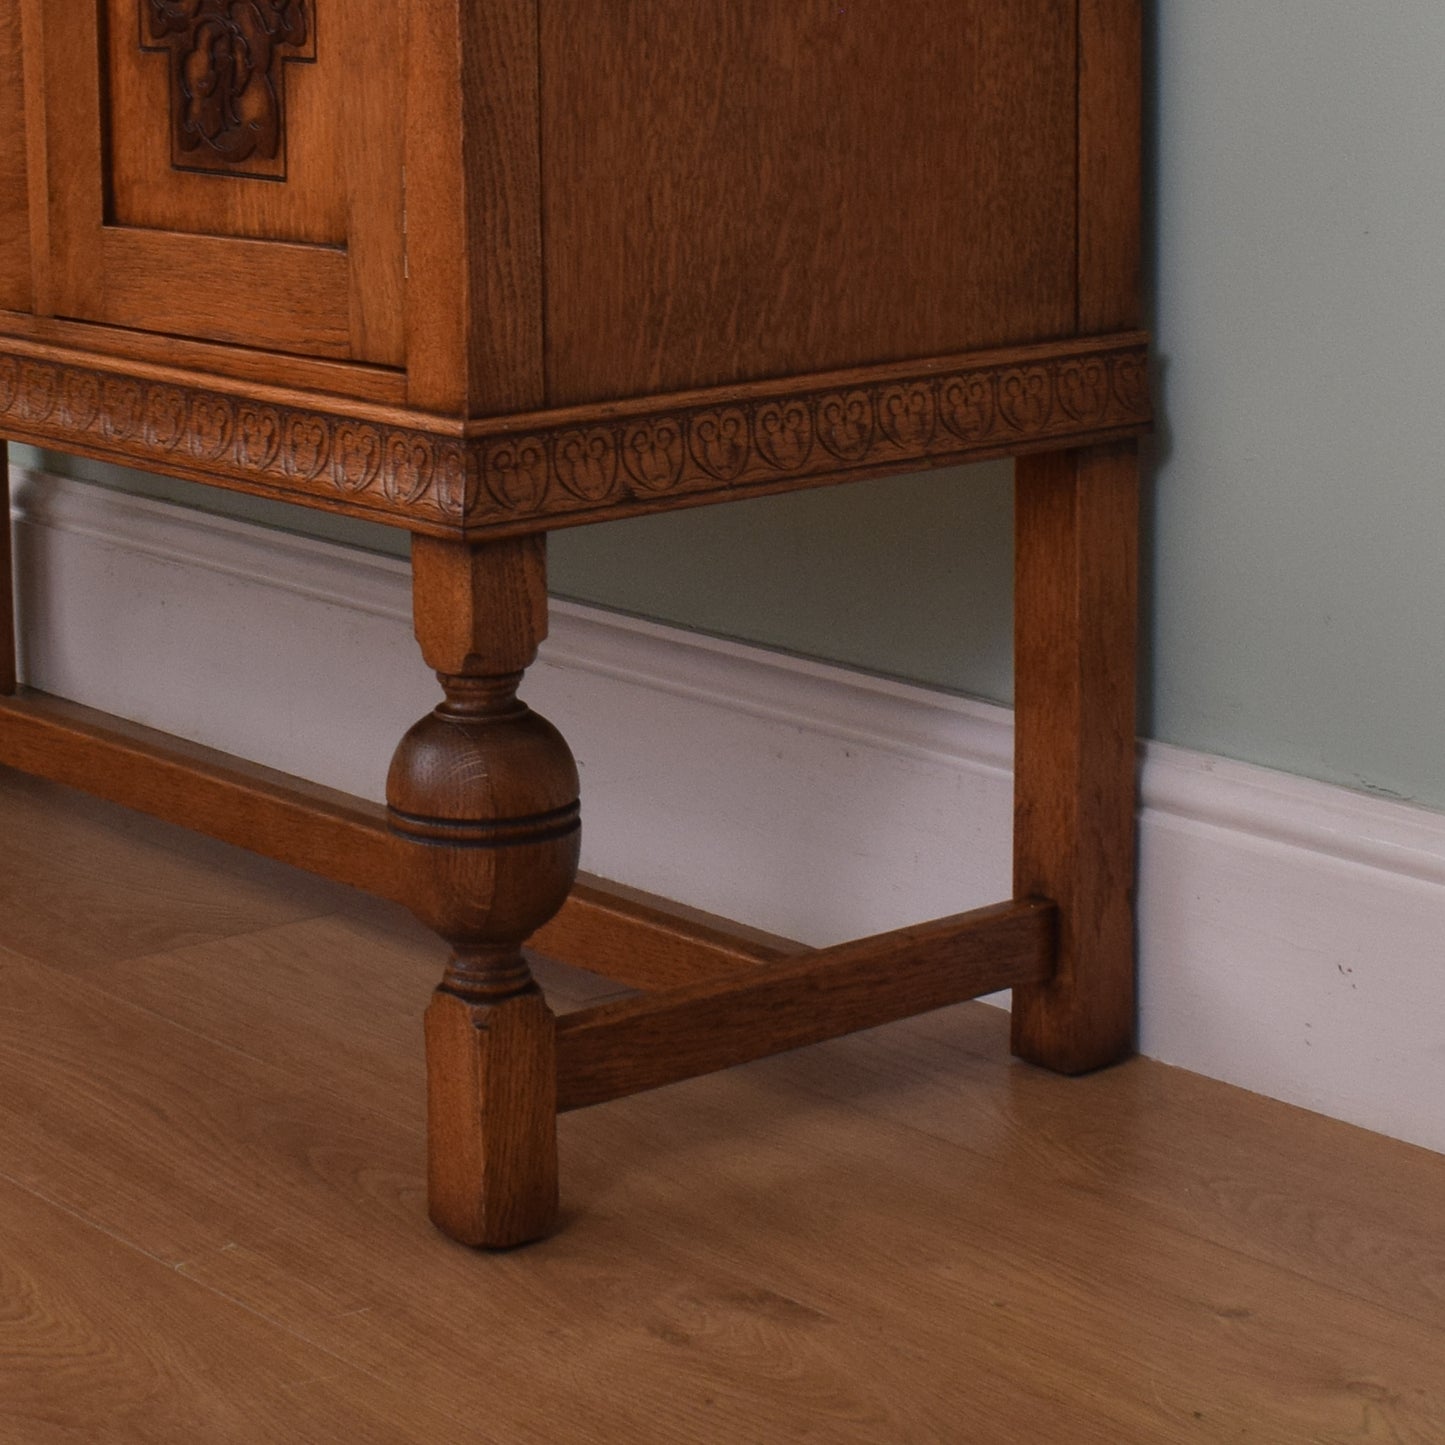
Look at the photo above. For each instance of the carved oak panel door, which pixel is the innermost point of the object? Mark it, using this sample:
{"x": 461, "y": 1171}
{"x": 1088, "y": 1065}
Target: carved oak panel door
{"x": 227, "y": 170}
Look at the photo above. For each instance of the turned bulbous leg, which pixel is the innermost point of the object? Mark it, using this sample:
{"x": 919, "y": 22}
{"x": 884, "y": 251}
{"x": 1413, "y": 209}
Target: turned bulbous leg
{"x": 482, "y": 796}
{"x": 488, "y": 790}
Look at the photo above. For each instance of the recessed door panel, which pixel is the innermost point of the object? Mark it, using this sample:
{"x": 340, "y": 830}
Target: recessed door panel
{"x": 229, "y": 170}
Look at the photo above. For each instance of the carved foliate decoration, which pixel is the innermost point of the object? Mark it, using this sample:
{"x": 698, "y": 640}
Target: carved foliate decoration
{"x": 358, "y": 465}
{"x": 512, "y": 474}
{"x": 227, "y": 96}
{"x": 1026, "y": 400}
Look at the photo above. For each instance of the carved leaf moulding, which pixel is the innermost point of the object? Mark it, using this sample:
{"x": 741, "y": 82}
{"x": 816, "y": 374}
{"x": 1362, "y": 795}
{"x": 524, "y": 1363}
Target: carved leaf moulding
{"x": 347, "y": 463}
{"x": 802, "y": 436}
{"x": 588, "y": 463}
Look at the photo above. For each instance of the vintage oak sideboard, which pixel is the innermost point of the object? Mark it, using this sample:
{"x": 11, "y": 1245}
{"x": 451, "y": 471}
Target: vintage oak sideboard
{"x": 484, "y": 268}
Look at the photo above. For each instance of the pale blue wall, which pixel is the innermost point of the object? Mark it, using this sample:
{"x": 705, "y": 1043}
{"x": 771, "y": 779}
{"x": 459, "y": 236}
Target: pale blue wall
{"x": 1298, "y": 592}
{"x": 1295, "y": 593}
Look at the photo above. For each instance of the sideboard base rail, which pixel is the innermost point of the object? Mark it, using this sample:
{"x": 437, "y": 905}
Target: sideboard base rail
{"x": 274, "y": 814}
{"x": 635, "y": 1044}
{"x": 713, "y": 993}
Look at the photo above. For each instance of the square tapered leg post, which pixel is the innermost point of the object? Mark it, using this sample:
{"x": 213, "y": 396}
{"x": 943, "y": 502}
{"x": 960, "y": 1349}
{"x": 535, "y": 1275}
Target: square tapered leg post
{"x": 482, "y": 797}
{"x": 1076, "y": 626}
{"x": 491, "y": 1118}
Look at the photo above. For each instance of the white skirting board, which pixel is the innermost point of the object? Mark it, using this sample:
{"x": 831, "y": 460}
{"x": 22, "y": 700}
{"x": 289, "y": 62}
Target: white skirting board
{"x": 1292, "y": 934}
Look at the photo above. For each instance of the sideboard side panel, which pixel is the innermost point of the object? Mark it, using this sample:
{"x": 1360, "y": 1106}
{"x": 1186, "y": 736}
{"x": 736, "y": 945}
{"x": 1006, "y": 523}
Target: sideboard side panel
{"x": 1110, "y": 164}
{"x": 15, "y": 288}
{"x": 473, "y": 207}
{"x": 743, "y": 191}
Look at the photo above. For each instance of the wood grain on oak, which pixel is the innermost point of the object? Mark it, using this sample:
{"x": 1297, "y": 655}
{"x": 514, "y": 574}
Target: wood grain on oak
{"x": 182, "y": 359}
{"x": 1076, "y": 621}
{"x": 15, "y": 294}
{"x": 574, "y": 212}
{"x": 621, "y": 1048}
{"x": 475, "y": 339}
{"x": 646, "y": 942}
{"x": 745, "y": 191}
{"x": 1075, "y": 758}
{"x": 156, "y": 228}
{"x": 482, "y": 271}
{"x": 1111, "y": 100}
{"x": 482, "y": 803}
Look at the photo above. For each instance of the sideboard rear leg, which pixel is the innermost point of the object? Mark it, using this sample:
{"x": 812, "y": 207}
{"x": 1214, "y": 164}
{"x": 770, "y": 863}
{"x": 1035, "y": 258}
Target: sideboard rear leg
{"x": 1074, "y": 761}
{"x": 483, "y": 792}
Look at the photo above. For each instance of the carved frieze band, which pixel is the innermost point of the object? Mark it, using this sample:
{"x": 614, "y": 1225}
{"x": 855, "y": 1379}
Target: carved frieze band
{"x": 591, "y": 461}
{"x": 773, "y": 442}
{"x": 227, "y": 100}
{"x": 362, "y": 465}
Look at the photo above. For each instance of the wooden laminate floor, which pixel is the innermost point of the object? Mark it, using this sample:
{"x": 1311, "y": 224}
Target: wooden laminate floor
{"x": 212, "y": 1224}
